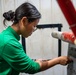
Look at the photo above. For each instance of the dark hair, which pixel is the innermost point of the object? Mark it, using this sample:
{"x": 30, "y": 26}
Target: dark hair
{"x": 26, "y": 9}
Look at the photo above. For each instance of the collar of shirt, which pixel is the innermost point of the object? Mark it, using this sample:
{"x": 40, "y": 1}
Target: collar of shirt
{"x": 14, "y": 32}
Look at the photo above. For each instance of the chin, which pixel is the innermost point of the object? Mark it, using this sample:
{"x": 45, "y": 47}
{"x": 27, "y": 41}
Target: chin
{"x": 27, "y": 36}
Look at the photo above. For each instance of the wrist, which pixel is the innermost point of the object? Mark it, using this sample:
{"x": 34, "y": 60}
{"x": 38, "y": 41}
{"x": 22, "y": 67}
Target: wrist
{"x": 58, "y": 60}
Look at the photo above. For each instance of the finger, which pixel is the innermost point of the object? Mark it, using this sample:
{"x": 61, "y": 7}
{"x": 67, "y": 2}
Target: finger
{"x": 70, "y": 59}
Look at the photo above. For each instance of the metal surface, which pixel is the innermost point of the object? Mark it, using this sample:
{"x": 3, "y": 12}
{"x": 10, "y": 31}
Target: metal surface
{"x": 71, "y": 69}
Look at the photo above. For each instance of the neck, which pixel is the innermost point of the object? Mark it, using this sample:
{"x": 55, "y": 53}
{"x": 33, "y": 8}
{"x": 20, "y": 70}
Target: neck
{"x": 16, "y": 28}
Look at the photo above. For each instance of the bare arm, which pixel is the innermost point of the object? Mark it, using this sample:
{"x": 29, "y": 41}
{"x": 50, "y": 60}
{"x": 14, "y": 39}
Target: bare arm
{"x": 63, "y": 60}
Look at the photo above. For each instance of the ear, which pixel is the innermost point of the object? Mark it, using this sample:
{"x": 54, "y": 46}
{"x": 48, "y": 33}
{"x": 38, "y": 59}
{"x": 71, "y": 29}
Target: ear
{"x": 24, "y": 21}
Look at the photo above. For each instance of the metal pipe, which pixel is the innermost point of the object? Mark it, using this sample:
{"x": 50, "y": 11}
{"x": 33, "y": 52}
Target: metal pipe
{"x": 69, "y": 13}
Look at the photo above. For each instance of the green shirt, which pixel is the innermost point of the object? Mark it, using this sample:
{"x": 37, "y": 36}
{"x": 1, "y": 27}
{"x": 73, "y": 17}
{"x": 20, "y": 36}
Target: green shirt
{"x": 13, "y": 59}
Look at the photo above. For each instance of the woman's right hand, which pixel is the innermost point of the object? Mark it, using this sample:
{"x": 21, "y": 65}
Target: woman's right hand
{"x": 64, "y": 60}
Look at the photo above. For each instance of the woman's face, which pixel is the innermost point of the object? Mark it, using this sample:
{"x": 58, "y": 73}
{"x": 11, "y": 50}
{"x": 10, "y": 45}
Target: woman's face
{"x": 29, "y": 28}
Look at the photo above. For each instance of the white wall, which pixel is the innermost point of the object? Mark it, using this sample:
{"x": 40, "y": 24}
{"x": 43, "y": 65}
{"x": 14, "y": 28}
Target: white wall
{"x": 40, "y": 44}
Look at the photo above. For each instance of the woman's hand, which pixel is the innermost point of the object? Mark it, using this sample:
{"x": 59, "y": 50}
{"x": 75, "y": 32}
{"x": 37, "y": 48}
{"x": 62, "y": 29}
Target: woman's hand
{"x": 45, "y": 64}
{"x": 64, "y": 60}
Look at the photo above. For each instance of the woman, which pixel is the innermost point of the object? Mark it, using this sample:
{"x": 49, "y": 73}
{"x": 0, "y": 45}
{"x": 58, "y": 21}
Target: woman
{"x": 13, "y": 59}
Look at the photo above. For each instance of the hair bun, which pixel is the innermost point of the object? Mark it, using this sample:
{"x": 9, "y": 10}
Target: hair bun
{"x": 9, "y": 15}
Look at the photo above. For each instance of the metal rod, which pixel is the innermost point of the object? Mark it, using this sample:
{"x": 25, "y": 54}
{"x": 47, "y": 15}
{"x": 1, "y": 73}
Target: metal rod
{"x": 24, "y": 43}
{"x": 46, "y": 26}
